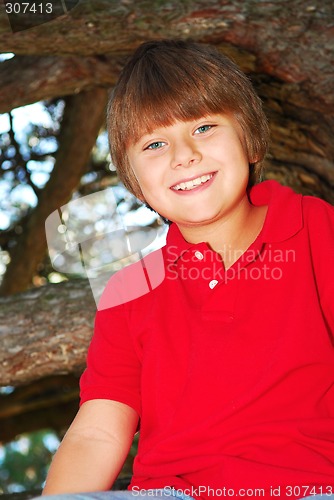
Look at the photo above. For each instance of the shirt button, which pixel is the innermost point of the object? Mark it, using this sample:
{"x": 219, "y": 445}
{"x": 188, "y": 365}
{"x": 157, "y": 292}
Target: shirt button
{"x": 213, "y": 283}
{"x": 199, "y": 255}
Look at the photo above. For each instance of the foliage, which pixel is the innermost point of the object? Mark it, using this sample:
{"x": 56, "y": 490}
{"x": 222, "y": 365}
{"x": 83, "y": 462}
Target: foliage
{"x": 28, "y": 145}
{"x": 24, "y": 462}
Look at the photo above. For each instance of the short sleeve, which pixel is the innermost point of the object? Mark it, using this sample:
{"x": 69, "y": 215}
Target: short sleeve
{"x": 319, "y": 217}
{"x": 113, "y": 367}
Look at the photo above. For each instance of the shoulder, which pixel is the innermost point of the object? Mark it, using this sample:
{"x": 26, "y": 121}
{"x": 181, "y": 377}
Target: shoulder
{"x": 134, "y": 280}
{"x": 317, "y": 212}
{"x": 315, "y": 203}
{"x": 318, "y": 221}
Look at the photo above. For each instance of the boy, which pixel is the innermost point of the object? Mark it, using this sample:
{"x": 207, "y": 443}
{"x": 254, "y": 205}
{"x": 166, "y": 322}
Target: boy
{"x": 228, "y": 360}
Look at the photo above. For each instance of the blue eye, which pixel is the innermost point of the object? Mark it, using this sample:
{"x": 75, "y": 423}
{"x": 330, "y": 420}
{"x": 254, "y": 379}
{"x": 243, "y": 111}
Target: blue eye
{"x": 155, "y": 145}
{"x": 202, "y": 129}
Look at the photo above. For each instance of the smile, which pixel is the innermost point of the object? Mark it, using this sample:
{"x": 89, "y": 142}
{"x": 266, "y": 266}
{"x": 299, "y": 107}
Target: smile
{"x": 188, "y": 185}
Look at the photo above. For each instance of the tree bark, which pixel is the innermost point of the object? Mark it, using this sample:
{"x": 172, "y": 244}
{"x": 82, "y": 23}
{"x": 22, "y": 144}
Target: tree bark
{"x": 40, "y": 78}
{"x": 286, "y": 46}
{"x": 45, "y": 331}
{"x": 291, "y": 40}
{"x": 83, "y": 117}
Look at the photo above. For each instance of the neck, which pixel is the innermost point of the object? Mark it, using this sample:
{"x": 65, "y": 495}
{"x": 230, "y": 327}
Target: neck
{"x": 229, "y": 236}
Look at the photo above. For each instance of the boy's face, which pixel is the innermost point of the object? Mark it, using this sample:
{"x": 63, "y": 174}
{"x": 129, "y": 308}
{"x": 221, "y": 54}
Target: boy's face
{"x": 193, "y": 172}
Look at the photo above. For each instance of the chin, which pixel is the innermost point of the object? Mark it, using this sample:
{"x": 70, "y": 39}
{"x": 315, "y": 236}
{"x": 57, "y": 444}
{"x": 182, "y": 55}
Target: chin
{"x": 196, "y": 221}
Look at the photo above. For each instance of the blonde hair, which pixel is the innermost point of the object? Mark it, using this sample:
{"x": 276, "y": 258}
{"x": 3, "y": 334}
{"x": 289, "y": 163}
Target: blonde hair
{"x": 171, "y": 80}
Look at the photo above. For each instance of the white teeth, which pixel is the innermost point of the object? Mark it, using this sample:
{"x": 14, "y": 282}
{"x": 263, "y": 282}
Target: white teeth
{"x": 192, "y": 184}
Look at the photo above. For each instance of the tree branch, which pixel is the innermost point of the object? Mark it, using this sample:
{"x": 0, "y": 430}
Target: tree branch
{"x": 291, "y": 40}
{"x": 19, "y": 162}
{"x": 39, "y": 78}
{"x": 49, "y": 403}
{"x": 45, "y": 331}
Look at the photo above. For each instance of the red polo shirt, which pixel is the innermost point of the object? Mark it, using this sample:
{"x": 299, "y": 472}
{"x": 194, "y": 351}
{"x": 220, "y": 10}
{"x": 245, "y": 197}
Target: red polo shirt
{"x": 232, "y": 373}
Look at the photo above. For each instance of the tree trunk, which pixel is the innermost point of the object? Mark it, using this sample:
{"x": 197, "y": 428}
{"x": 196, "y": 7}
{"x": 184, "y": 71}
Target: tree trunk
{"x": 83, "y": 117}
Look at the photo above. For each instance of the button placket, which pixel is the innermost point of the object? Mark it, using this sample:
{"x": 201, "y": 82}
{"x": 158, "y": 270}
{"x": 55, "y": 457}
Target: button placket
{"x": 205, "y": 261}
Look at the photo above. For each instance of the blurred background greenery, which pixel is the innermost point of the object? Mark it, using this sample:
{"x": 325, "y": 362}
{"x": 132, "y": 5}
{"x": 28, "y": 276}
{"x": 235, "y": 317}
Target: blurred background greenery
{"x": 24, "y": 462}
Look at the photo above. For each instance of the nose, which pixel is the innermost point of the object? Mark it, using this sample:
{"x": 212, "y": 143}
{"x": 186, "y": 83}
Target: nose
{"x": 185, "y": 153}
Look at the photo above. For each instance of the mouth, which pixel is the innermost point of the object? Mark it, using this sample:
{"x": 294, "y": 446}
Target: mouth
{"x": 193, "y": 183}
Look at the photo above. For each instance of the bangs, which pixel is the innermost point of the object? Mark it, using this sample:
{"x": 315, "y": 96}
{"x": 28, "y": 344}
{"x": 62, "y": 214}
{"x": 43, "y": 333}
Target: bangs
{"x": 169, "y": 91}
{"x": 144, "y": 119}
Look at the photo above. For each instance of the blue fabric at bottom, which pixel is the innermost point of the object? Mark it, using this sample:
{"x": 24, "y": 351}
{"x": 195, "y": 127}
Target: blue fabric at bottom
{"x": 123, "y": 495}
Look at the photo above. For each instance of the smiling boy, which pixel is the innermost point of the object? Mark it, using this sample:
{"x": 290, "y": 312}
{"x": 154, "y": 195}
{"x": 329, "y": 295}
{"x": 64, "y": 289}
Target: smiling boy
{"x": 228, "y": 361}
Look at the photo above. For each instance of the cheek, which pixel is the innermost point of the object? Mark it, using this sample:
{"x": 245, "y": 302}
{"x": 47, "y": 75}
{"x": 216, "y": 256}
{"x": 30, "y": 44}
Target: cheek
{"x": 239, "y": 154}
{"x": 148, "y": 186}
{"x": 145, "y": 180}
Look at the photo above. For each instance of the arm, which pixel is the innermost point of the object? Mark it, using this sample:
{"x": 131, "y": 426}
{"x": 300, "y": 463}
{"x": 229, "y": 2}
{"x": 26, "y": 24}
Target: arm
{"x": 94, "y": 448}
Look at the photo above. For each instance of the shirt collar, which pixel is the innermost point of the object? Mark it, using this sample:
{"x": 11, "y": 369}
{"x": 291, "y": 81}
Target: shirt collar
{"x": 284, "y": 217}
{"x": 176, "y": 245}
{"x": 283, "y": 220}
